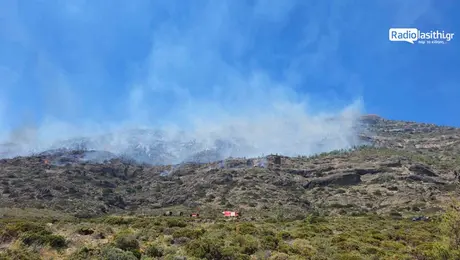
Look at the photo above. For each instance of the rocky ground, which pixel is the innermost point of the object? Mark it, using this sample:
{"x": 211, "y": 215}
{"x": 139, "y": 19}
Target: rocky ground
{"x": 410, "y": 167}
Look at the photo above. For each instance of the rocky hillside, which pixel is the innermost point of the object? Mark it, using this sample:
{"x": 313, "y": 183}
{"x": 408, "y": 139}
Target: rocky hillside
{"x": 410, "y": 167}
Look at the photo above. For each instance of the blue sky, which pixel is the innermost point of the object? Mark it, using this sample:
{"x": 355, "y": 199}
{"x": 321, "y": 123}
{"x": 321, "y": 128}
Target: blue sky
{"x": 94, "y": 63}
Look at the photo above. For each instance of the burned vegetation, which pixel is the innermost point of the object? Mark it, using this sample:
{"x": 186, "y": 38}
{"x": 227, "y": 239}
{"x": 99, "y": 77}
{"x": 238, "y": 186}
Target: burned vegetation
{"x": 400, "y": 179}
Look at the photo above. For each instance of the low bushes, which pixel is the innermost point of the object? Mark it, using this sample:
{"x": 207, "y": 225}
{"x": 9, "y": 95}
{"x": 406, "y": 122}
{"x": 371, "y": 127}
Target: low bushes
{"x": 314, "y": 237}
{"x": 31, "y": 233}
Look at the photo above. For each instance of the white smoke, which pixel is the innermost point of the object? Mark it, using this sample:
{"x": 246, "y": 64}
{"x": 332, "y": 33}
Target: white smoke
{"x": 201, "y": 92}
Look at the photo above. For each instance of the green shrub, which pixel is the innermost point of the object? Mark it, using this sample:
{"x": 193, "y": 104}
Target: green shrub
{"x": 126, "y": 242}
{"x": 56, "y": 241}
{"x": 85, "y": 253}
{"x": 22, "y": 254}
{"x": 147, "y": 234}
{"x": 270, "y": 242}
{"x": 302, "y": 247}
{"x": 284, "y": 235}
{"x": 204, "y": 248}
{"x": 224, "y": 226}
{"x": 350, "y": 256}
{"x": 137, "y": 253}
{"x": 118, "y": 221}
{"x": 112, "y": 253}
{"x": 154, "y": 251}
{"x": 13, "y": 230}
{"x": 175, "y": 223}
{"x": 231, "y": 252}
{"x": 450, "y": 225}
{"x": 142, "y": 223}
{"x": 189, "y": 233}
{"x": 279, "y": 256}
{"x": 349, "y": 245}
{"x": 247, "y": 229}
{"x": 43, "y": 238}
{"x": 371, "y": 250}
{"x": 248, "y": 244}
{"x": 437, "y": 250}
{"x": 314, "y": 218}
{"x": 26, "y": 227}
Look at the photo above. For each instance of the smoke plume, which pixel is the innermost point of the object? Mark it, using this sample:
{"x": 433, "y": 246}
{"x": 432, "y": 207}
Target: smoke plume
{"x": 171, "y": 81}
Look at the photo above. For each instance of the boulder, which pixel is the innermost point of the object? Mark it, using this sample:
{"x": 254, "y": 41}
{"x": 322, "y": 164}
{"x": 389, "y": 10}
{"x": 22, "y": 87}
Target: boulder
{"x": 421, "y": 169}
{"x": 428, "y": 179}
{"x": 363, "y": 171}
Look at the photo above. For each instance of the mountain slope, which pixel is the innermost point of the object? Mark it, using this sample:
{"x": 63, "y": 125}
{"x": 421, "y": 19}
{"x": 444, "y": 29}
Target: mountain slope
{"x": 408, "y": 167}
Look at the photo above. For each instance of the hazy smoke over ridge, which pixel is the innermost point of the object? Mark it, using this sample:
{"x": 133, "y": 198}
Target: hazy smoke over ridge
{"x": 166, "y": 82}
